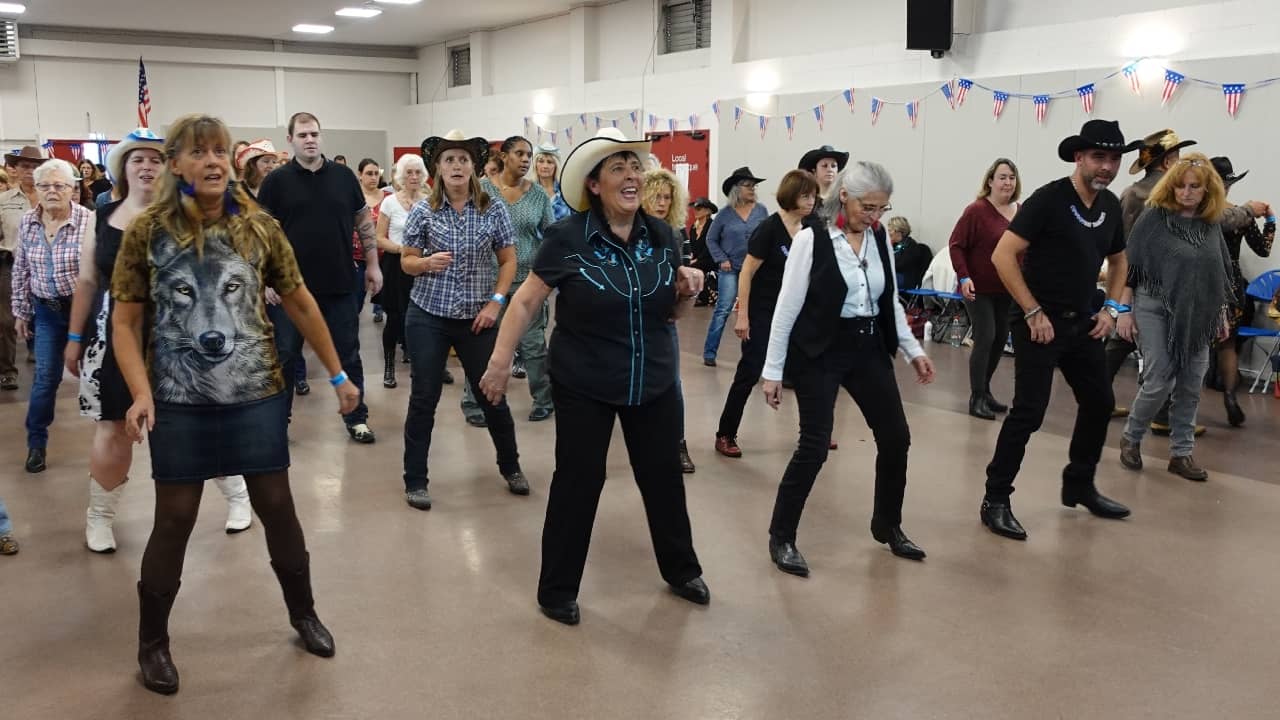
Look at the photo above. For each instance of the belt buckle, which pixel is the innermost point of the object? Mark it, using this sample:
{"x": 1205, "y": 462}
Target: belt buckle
{"x": 1070, "y": 315}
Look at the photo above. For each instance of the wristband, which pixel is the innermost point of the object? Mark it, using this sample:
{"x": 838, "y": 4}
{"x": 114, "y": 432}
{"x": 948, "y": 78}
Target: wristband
{"x": 1271, "y": 219}
{"x": 964, "y": 280}
{"x": 1124, "y": 309}
{"x": 1032, "y": 312}
{"x": 338, "y": 379}
{"x": 73, "y": 337}
{"x": 499, "y": 298}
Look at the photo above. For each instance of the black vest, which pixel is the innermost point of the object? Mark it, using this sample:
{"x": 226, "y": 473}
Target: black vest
{"x": 819, "y": 318}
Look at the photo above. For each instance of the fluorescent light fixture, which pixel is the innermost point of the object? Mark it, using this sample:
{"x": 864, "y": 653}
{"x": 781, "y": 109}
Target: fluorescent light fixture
{"x": 358, "y": 12}
{"x": 759, "y": 100}
{"x": 313, "y": 29}
{"x": 12, "y": 9}
{"x": 399, "y": 2}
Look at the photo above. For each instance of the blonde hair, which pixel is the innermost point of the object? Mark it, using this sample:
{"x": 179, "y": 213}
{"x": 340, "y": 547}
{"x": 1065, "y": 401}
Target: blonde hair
{"x": 985, "y": 190}
{"x": 250, "y": 227}
{"x": 481, "y": 198}
{"x": 897, "y": 223}
{"x": 1215, "y": 192}
{"x": 653, "y": 182}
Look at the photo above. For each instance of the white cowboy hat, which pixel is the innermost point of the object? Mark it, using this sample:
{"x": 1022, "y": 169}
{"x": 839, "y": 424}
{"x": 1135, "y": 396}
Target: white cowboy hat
{"x": 140, "y": 138}
{"x": 255, "y": 149}
{"x": 584, "y": 158}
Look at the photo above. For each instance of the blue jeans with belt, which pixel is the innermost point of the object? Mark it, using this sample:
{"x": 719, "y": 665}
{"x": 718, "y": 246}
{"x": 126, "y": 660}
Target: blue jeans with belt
{"x": 51, "y": 339}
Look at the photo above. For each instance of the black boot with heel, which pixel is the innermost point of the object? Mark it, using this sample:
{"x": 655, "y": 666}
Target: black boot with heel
{"x": 159, "y": 674}
{"x": 296, "y": 585}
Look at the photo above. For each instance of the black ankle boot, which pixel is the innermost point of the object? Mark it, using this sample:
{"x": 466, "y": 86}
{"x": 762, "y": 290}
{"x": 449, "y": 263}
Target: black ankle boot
{"x": 296, "y": 585}
{"x": 978, "y": 408}
{"x": 158, "y": 672}
{"x": 389, "y": 370}
{"x": 1235, "y": 415}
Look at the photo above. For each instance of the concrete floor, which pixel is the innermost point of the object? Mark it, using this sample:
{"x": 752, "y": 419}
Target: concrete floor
{"x": 1165, "y": 615}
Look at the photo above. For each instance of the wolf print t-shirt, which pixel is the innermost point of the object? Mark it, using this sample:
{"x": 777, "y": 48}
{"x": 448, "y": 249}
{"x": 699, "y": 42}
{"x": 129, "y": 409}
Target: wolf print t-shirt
{"x": 209, "y": 341}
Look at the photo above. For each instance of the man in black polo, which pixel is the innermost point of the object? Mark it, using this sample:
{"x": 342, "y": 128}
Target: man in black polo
{"x": 1063, "y": 232}
{"x": 319, "y": 204}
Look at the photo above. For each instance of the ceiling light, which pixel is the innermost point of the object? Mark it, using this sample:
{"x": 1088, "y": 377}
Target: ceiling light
{"x": 358, "y": 12}
{"x": 12, "y": 8}
{"x": 400, "y": 2}
{"x": 313, "y": 29}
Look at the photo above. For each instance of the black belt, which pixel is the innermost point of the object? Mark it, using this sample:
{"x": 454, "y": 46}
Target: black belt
{"x": 859, "y": 325}
{"x": 6, "y": 257}
{"x": 60, "y": 304}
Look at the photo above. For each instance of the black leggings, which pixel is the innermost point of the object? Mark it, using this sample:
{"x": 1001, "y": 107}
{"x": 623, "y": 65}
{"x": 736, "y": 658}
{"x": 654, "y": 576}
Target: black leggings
{"x": 178, "y": 505}
{"x": 396, "y": 285}
{"x": 989, "y": 318}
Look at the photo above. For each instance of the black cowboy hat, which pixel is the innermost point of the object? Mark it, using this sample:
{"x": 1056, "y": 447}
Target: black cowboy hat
{"x": 1155, "y": 147}
{"x": 703, "y": 202}
{"x": 1096, "y": 134}
{"x": 1225, "y": 171}
{"x": 742, "y": 173}
{"x": 477, "y": 147}
{"x": 810, "y": 159}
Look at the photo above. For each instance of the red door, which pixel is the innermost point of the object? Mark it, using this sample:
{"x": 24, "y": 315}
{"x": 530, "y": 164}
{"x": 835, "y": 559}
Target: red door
{"x": 686, "y": 153}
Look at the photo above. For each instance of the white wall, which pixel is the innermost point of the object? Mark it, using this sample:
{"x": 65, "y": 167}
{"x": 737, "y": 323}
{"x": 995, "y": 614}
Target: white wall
{"x": 535, "y": 50}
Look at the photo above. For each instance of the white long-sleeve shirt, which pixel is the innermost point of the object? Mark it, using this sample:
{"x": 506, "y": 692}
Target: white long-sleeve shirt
{"x": 861, "y": 300}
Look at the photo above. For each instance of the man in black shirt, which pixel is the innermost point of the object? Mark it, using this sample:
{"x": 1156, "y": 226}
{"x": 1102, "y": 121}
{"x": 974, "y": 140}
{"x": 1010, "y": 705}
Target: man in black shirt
{"x": 319, "y": 204}
{"x": 1064, "y": 231}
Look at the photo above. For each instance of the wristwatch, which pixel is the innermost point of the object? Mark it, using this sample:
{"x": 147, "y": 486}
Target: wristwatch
{"x": 1114, "y": 313}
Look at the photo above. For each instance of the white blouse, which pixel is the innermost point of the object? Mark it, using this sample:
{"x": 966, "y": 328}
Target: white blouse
{"x": 861, "y": 300}
{"x": 396, "y": 215}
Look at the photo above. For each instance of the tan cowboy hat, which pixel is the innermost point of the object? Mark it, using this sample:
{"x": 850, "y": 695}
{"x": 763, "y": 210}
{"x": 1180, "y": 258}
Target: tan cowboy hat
{"x": 140, "y": 138}
{"x": 253, "y": 150}
{"x": 28, "y": 152}
{"x": 433, "y": 146}
{"x": 1155, "y": 146}
{"x": 584, "y": 158}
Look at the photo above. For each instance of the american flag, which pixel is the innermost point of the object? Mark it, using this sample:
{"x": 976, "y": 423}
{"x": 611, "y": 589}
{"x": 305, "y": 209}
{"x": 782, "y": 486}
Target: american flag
{"x": 1042, "y": 108}
{"x": 693, "y": 122}
{"x": 1171, "y": 82}
{"x": 876, "y": 105}
{"x": 764, "y": 125}
{"x": 653, "y": 122}
{"x": 949, "y": 93}
{"x": 848, "y": 97}
{"x": 553, "y": 137}
{"x": 1131, "y": 71}
{"x": 1234, "y": 92}
{"x": 913, "y": 112}
{"x": 671, "y": 125}
{"x": 144, "y": 95}
{"x": 819, "y": 114}
{"x": 1086, "y": 98}
{"x": 1000, "y": 98}
{"x": 790, "y": 120}
{"x": 715, "y": 109}
{"x": 963, "y": 91}
{"x": 568, "y": 134}
{"x": 635, "y": 120}
{"x": 737, "y": 116}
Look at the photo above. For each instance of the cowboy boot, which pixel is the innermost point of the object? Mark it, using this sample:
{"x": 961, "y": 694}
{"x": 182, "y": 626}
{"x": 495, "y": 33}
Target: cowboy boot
{"x": 239, "y": 510}
{"x": 100, "y": 517}
{"x": 389, "y": 369}
{"x": 158, "y": 672}
{"x": 296, "y": 585}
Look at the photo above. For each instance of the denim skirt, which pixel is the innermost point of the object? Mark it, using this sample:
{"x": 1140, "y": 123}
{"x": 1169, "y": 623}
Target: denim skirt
{"x": 192, "y": 443}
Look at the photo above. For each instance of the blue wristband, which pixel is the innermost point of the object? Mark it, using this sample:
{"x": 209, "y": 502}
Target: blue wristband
{"x": 74, "y": 337}
{"x": 1113, "y": 305}
{"x": 338, "y": 379}
{"x": 964, "y": 280}
{"x": 499, "y": 298}
{"x": 1271, "y": 219}
{"x": 1124, "y": 309}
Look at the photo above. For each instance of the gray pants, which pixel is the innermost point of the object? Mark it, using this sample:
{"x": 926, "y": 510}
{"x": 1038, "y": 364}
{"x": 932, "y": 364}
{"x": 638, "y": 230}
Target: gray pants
{"x": 1160, "y": 377}
{"x": 533, "y": 348}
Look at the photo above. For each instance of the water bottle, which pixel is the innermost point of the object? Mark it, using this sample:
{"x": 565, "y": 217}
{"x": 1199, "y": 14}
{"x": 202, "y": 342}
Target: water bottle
{"x": 928, "y": 331}
{"x": 955, "y": 334}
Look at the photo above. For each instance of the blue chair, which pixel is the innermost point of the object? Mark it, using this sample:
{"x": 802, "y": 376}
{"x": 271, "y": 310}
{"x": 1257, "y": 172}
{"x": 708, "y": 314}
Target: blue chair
{"x": 1263, "y": 289}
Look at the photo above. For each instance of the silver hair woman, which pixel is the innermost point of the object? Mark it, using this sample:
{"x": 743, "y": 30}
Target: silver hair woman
{"x": 836, "y": 317}
{"x": 55, "y": 170}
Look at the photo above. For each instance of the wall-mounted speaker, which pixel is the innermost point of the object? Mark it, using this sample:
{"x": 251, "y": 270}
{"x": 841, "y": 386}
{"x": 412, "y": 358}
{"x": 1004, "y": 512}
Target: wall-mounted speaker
{"x": 929, "y": 24}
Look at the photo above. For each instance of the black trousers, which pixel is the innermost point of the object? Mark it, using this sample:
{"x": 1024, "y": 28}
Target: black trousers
{"x": 583, "y": 429}
{"x": 858, "y": 363}
{"x": 1083, "y": 364}
{"x": 747, "y": 375}
{"x": 989, "y": 316}
{"x": 340, "y": 316}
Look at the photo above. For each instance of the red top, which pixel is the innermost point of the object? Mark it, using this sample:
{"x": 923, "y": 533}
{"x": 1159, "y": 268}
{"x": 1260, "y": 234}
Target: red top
{"x": 357, "y": 248}
{"x": 973, "y": 241}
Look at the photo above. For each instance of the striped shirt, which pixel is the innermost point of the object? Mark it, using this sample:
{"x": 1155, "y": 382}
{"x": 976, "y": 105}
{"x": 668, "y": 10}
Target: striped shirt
{"x": 461, "y": 290}
{"x": 44, "y": 269}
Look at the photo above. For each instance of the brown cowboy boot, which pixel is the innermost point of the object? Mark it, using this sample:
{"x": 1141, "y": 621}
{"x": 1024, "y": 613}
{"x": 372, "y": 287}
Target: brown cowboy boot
{"x": 296, "y": 585}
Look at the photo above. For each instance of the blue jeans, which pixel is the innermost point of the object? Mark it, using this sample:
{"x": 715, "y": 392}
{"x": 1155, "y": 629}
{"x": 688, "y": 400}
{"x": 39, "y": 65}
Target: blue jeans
{"x": 51, "y": 340}
{"x": 6, "y": 527}
{"x": 727, "y": 285}
{"x": 339, "y": 315}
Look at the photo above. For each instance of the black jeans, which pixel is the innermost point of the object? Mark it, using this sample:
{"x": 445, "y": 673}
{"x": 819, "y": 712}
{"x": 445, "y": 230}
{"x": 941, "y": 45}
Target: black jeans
{"x": 1083, "y": 364}
{"x": 583, "y": 429}
{"x": 339, "y": 312}
{"x": 989, "y": 318}
{"x": 747, "y": 375}
{"x": 856, "y": 360}
{"x": 429, "y": 338}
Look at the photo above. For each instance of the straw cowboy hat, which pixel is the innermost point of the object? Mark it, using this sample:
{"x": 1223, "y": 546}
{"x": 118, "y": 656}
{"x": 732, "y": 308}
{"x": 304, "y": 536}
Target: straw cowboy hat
{"x": 28, "y": 152}
{"x": 254, "y": 150}
{"x": 433, "y": 146}
{"x": 140, "y": 138}
{"x": 1155, "y": 147}
{"x": 1096, "y": 135}
{"x": 584, "y": 158}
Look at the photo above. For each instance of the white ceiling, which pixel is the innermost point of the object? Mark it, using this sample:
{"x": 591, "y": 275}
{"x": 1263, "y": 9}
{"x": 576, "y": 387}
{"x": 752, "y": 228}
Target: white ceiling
{"x": 427, "y": 22}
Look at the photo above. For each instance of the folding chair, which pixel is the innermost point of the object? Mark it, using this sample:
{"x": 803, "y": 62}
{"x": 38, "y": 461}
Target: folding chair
{"x": 1263, "y": 289}
{"x": 915, "y": 304}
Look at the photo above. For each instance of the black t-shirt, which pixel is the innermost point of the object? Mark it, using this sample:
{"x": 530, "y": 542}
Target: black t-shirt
{"x": 317, "y": 211}
{"x": 770, "y": 244}
{"x": 1067, "y": 244}
{"x": 612, "y": 340}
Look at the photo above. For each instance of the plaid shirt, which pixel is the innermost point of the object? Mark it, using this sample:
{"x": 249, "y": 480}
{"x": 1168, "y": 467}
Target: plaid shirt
{"x": 463, "y": 289}
{"x": 45, "y": 270}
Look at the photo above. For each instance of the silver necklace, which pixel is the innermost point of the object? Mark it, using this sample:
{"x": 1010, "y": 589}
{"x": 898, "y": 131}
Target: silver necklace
{"x": 1080, "y": 217}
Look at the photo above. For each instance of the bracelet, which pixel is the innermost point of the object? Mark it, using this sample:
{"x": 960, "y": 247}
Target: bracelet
{"x": 1032, "y": 312}
{"x": 74, "y": 337}
{"x": 499, "y": 298}
{"x": 338, "y": 379}
{"x": 1271, "y": 219}
{"x": 1124, "y": 309}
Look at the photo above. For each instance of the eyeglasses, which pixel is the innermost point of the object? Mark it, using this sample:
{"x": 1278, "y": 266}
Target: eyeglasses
{"x": 873, "y": 209}
{"x": 59, "y": 187}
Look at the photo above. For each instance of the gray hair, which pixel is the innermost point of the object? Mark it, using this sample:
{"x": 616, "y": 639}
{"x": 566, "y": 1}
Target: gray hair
{"x": 857, "y": 179}
{"x": 404, "y": 163}
{"x": 55, "y": 166}
{"x": 735, "y": 195}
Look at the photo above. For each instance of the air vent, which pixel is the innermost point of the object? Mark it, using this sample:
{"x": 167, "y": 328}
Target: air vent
{"x": 460, "y": 66}
{"x": 8, "y": 41}
{"x": 686, "y": 25}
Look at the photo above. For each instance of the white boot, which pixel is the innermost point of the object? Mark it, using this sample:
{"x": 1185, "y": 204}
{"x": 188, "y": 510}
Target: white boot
{"x": 239, "y": 512}
{"x": 101, "y": 516}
